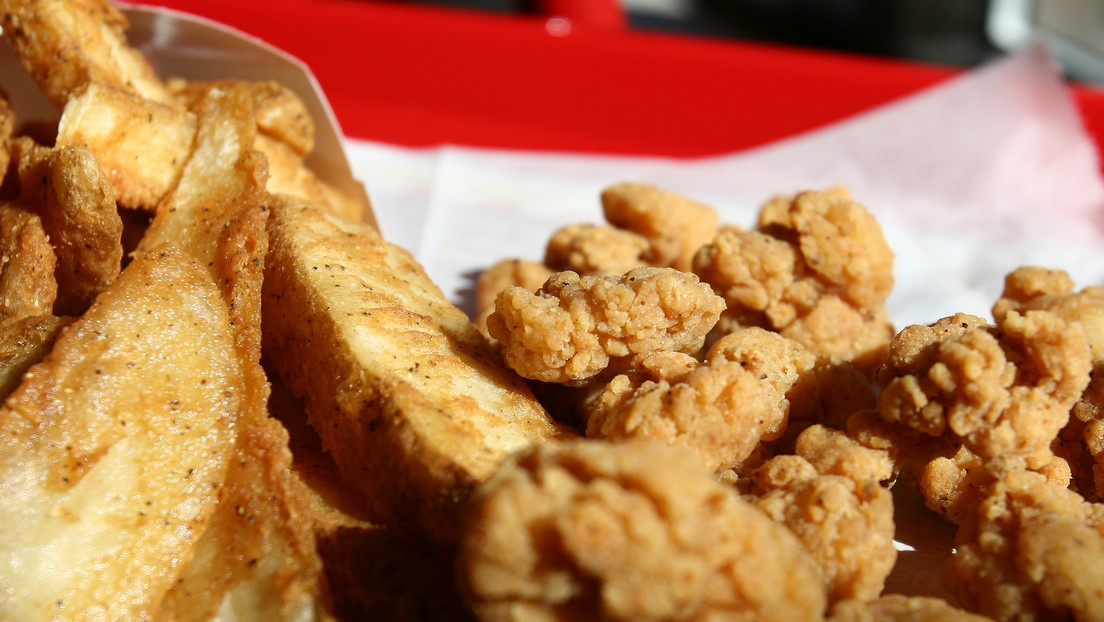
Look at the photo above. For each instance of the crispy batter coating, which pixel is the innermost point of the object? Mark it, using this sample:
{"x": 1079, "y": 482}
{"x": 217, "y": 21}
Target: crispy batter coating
{"x": 502, "y": 274}
{"x": 1081, "y": 442}
{"x": 1033, "y": 550}
{"x": 818, "y": 269}
{"x": 595, "y": 249}
{"x": 1003, "y": 392}
{"x": 900, "y": 608}
{"x": 720, "y": 410}
{"x": 627, "y": 531}
{"x": 830, "y": 496}
{"x": 571, "y": 329}
{"x": 675, "y": 226}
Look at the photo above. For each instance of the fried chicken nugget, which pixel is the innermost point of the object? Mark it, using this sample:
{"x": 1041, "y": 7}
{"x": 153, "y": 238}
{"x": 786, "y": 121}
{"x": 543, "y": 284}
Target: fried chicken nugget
{"x": 571, "y": 329}
{"x": 1032, "y": 550}
{"x": 901, "y": 608}
{"x": 586, "y": 530}
{"x": 720, "y": 410}
{"x": 818, "y": 269}
{"x": 675, "y": 226}
{"x": 595, "y": 250}
{"x": 1003, "y": 392}
{"x": 1081, "y": 442}
{"x": 830, "y": 495}
{"x": 498, "y": 276}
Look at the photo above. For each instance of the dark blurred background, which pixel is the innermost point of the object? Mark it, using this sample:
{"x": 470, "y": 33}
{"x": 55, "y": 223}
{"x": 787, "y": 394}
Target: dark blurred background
{"x": 940, "y": 31}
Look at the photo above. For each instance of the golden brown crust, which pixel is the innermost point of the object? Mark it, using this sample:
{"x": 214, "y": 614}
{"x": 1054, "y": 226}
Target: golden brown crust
{"x": 586, "y": 530}
{"x": 412, "y": 402}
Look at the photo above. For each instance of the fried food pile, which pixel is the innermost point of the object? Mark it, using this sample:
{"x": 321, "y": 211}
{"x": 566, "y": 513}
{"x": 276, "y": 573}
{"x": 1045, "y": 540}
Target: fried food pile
{"x": 228, "y": 397}
{"x": 809, "y": 406}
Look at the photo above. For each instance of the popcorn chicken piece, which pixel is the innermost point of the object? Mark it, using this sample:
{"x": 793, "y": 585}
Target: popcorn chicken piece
{"x": 675, "y": 226}
{"x": 627, "y": 531}
{"x": 1032, "y": 550}
{"x": 595, "y": 250}
{"x": 500, "y": 275}
{"x": 817, "y": 269}
{"x": 831, "y": 497}
{"x": 572, "y": 328}
{"x": 1002, "y": 391}
{"x": 901, "y": 608}
{"x": 720, "y": 410}
{"x": 1081, "y": 442}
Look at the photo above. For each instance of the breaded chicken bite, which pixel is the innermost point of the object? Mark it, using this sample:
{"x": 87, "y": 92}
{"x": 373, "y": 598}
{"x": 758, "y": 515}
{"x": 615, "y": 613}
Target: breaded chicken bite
{"x": 595, "y": 249}
{"x": 571, "y": 329}
{"x": 584, "y": 530}
{"x": 721, "y": 410}
{"x": 901, "y": 608}
{"x": 817, "y": 269}
{"x": 1003, "y": 392}
{"x": 1033, "y": 550}
{"x": 1081, "y": 442}
{"x": 505, "y": 273}
{"x": 675, "y": 226}
{"x": 831, "y": 497}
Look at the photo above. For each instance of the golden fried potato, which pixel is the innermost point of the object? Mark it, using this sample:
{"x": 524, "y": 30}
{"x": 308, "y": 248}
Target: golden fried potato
{"x": 27, "y": 284}
{"x": 407, "y": 396}
{"x": 88, "y": 37}
{"x": 22, "y": 344}
{"x": 278, "y": 111}
{"x": 289, "y": 175}
{"x": 216, "y": 211}
{"x": 66, "y": 188}
{"x": 141, "y": 144}
{"x": 114, "y": 448}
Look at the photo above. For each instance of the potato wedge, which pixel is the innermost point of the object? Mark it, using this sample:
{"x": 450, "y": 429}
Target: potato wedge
{"x": 67, "y": 190}
{"x": 141, "y": 144}
{"x": 114, "y": 448}
{"x": 408, "y": 397}
{"x": 88, "y": 37}
{"x": 27, "y": 284}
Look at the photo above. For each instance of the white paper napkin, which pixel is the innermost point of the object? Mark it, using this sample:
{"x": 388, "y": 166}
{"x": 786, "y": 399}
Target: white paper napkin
{"x": 970, "y": 179}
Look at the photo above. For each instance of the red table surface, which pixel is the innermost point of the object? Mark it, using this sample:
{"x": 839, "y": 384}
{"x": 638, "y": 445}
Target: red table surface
{"x": 418, "y": 75}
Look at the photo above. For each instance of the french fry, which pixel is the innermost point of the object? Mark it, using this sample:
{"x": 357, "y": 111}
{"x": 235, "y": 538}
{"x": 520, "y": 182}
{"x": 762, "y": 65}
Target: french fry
{"x": 115, "y": 447}
{"x": 407, "y": 396}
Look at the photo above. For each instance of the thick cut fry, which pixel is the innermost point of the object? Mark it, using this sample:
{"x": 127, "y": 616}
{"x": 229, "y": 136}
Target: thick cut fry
{"x": 260, "y": 545}
{"x": 114, "y": 448}
{"x": 66, "y": 188}
{"x": 27, "y": 261}
{"x": 141, "y": 144}
{"x": 67, "y": 44}
{"x": 289, "y": 175}
{"x": 279, "y": 112}
{"x": 406, "y": 394}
